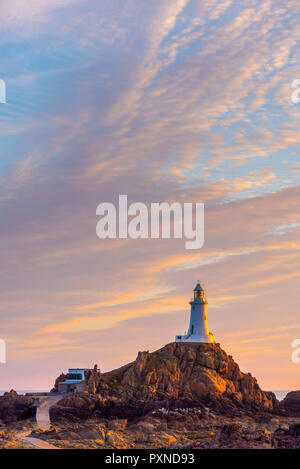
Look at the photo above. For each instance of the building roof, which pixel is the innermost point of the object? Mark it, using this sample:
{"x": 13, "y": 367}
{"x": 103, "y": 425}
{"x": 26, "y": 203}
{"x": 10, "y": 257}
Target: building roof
{"x": 83, "y": 369}
{"x": 198, "y": 287}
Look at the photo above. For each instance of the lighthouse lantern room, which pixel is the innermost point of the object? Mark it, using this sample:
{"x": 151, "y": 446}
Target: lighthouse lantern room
{"x": 198, "y": 329}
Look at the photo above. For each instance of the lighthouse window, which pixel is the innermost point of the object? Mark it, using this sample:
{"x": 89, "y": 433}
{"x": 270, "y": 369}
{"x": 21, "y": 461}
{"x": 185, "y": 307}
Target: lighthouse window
{"x": 192, "y": 329}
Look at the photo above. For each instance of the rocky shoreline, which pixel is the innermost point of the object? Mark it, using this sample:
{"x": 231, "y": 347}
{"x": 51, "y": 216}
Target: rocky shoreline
{"x": 181, "y": 396}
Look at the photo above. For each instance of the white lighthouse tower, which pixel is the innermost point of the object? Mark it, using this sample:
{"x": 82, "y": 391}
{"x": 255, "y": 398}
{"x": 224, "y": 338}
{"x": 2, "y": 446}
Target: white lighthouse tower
{"x": 198, "y": 329}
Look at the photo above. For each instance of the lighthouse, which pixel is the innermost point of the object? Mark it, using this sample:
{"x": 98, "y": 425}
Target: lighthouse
{"x": 198, "y": 329}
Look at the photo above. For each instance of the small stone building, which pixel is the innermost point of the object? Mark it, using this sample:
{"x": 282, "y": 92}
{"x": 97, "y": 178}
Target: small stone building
{"x": 75, "y": 382}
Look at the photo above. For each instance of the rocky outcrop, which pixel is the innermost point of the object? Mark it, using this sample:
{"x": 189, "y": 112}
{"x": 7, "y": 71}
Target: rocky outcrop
{"x": 177, "y": 376}
{"x": 291, "y": 403}
{"x": 93, "y": 378}
{"x": 185, "y": 372}
{"x": 14, "y": 407}
{"x": 60, "y": 379}
{"x": 75, "y": 408}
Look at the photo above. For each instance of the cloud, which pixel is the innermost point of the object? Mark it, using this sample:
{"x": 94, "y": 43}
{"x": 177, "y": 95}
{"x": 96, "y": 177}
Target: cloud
{"x": 163, "y": 101}
{"x": 17, "y": 13}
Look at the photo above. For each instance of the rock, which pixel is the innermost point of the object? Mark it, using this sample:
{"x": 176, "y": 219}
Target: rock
{"x": 93, "y": 378}
{"x": 287, "y": 438}
{"x": 7, "y": 441}
{"x": 11, "y": 393}
{"x": 76, "y": 407}
{"x": 291, "y": 403}
{"x": 78, "y": 401}
{"x": 294, "y": 429}
{"x": 60, "y": 379}
{"x": 144, "y": 427}
{"x": 285, "y": 427}
{"x": 167, "y": 440}
{"x": 14, "y": 407}
{"x": 115, "y": 440}
{"x": 91, "y": 434}
{"x": 117, "y": 425}
{"x": 237, "y": 397}
{"x": 73, "y": 433}
{"x": 179, "y": 375}
{"x": 59, "y": 414}
{"x": 198, "y": 373}
{"x": 234, "y": 436}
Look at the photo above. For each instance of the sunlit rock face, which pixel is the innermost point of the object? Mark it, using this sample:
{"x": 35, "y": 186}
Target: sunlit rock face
{"x": 196, "y": 372}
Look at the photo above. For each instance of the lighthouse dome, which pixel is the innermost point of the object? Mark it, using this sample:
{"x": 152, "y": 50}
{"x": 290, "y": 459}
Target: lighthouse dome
{"x": 198, "y": 287}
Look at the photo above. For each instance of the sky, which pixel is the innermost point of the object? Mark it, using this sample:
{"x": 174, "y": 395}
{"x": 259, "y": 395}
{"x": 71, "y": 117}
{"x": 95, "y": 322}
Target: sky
{"x": 168, "y": 100}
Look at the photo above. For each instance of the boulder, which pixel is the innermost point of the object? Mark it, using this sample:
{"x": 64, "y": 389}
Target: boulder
{"x": 291, "y": 403}
{"x": 294, "y": 429}
{"x": 234, "y": 436}
{"x": 14, "y": 407}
